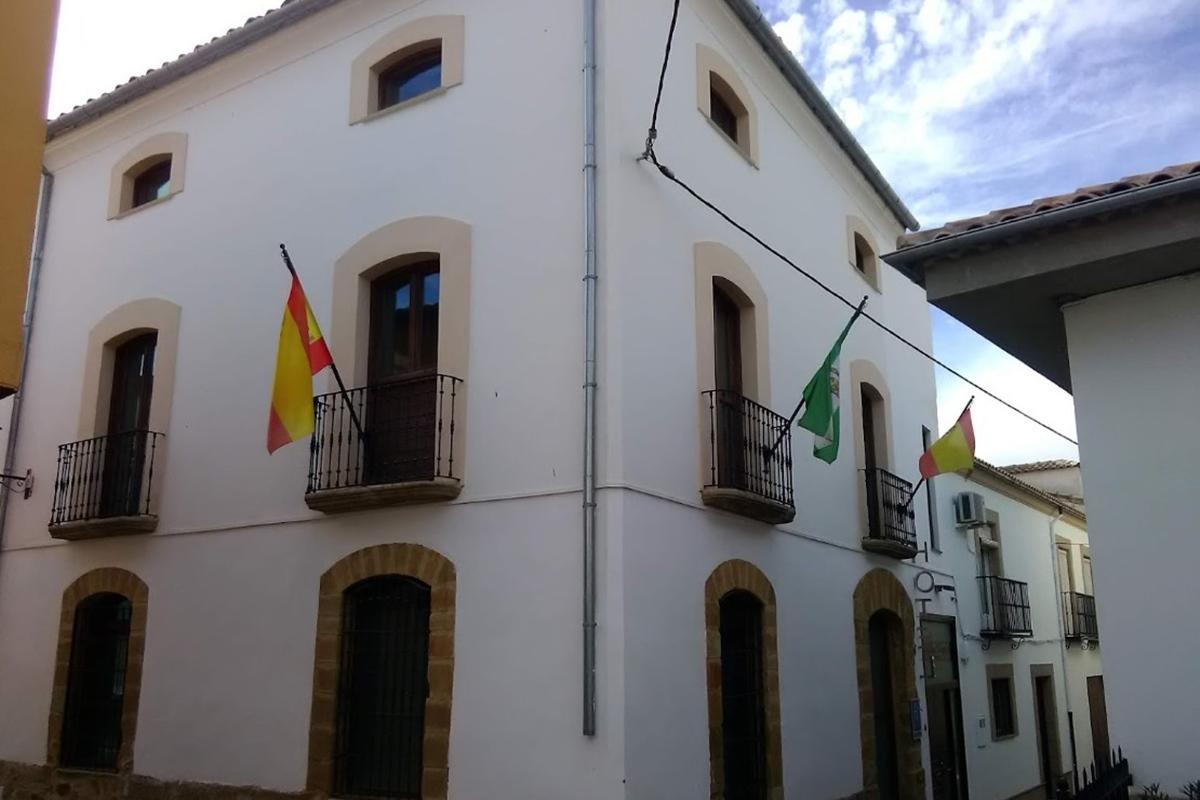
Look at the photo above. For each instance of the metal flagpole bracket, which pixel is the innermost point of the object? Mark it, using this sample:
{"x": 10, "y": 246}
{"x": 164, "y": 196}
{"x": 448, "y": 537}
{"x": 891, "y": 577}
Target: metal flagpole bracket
{"x": 23, "y": 482}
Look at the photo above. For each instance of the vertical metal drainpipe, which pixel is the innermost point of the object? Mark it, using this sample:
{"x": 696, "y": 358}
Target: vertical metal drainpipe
{"x": 35, "y": 271}
{"x": 1062, "y": 642}
{"x": 589, "y": 368}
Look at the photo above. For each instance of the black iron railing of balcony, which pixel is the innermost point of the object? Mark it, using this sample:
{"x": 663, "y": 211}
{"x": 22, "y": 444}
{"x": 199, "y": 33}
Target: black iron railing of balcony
{"x": 750, "y": 447}
{"x": 1005, "y": 605}
{"x": 1079, "y": 616}
{"x": 890, "y": 515}
{"x": 105, "y": 477}
{"x": 407, "y": 434}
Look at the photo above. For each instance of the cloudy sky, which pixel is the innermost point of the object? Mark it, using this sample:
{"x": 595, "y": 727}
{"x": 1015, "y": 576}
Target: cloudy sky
{"x": 966, "y": 105}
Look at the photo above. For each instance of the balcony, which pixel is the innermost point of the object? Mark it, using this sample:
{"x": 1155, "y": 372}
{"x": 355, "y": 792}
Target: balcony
{"x": 1005, "y": 606}
{"x": 104, "y": 486}
{"x": 1079, "y": 617}
{"x": 404, "y": 454}
{"x": 891, "y": 523}
{"x": 750, "y": 459}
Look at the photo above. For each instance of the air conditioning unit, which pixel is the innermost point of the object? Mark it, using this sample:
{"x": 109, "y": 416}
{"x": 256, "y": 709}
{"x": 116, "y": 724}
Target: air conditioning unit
{"x": 968, "y": 509}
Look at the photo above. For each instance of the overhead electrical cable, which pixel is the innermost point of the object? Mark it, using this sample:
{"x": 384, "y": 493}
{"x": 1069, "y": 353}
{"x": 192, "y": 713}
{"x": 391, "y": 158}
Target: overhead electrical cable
{"x": 669, "y": 174}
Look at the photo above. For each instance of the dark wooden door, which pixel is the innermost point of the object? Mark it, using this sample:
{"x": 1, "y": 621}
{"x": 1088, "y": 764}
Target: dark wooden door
{"x": 1043, "y": 690}
{"x": 128, "y": 421}
{"x": 731, "y": 431}
{"x": 401, "y": 407}
{"x": 870, "y": 463}
{"x": 887, "y": 759}
{"x": 1098, "y": 711}
{"x": 743, "y": 707}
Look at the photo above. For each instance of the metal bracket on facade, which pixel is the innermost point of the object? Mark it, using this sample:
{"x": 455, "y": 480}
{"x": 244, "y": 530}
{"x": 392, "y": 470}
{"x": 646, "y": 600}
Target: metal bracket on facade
{"x": 1016, "y": 643}
{"x": 12, "y": 482}
{"x": 985, "y": 645}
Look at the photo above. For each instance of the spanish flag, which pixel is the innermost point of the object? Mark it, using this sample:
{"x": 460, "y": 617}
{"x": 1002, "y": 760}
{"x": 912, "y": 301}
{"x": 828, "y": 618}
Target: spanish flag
{"x": 954, "y": 452}
{"x": 302, "y": 354}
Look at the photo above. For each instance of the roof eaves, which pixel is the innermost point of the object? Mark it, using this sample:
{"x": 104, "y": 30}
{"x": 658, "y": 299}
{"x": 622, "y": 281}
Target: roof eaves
{"x": 1046, "y": 497}
{"x": 289, "y": 13}
{"x": 750, "y": 15}
{"x": 910, "y": 260}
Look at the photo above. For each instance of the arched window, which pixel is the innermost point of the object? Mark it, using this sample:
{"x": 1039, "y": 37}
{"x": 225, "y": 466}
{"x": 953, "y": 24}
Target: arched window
{"x": 416, "y": 61}
{"x": 410, "y": 75}
{"x": 725, "y": 100}
{"x": 149, "y": 173}
{"x": 863, "y": 255}
{"x": 383, "y": 675}
{"x": 861, "y": 252}
{"x": 151, "y": 181}
{"x": 745, "y": 751}
{"x": 743, "y": 726}
{"x": 382, "y": 688}
{"x": 91, "y": 731}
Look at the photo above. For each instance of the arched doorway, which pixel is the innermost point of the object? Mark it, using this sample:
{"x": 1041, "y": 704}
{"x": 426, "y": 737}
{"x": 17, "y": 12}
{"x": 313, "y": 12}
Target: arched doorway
{"x": 885, "y": 652}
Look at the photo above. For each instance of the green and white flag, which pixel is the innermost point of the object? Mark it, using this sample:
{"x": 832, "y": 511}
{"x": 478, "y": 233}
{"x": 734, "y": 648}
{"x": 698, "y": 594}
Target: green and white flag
{"x": 822, "y": 400}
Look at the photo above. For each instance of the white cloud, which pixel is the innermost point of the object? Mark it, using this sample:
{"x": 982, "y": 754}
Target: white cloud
{"x": 793, "y": 32}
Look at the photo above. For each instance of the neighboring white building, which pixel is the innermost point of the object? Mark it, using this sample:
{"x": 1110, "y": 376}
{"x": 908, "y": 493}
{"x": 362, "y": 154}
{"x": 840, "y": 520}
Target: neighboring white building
{"x": 178, "y": 606}
{"x": 1104, "y": 279}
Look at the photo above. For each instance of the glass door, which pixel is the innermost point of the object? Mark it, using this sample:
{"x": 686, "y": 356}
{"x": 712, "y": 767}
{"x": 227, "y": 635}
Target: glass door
{"x": 128, "y": 421}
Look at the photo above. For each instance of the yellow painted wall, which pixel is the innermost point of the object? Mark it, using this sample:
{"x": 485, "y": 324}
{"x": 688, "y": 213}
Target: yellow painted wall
{"x": 26, "y": 45}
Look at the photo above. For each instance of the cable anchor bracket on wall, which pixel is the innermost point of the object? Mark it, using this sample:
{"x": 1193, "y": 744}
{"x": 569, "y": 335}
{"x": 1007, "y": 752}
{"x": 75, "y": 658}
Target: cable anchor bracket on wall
{"x": 23, "y": 482}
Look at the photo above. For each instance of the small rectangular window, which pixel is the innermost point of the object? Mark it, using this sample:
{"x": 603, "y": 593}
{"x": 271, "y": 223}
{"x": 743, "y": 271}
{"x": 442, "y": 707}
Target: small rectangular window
{"x": 411, "y": 77}
{"x": 153, "y": 183}
{"x": 722, "y": 115}
{"x": 1003, "y": 719}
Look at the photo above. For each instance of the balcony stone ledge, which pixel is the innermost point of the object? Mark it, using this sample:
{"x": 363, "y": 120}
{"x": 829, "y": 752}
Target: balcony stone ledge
{"x": 104, "y": 527}
{"x": 748, "y": 504}
{"x": 889, "y": 547}
{"x": 359, "y": 498}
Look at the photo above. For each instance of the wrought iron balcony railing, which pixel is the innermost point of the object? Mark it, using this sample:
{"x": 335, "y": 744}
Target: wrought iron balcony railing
{"x": 1006, "y": 613}
{"x": 407, "y": 435}
{"x": 1079, "y": 616}
{"x": 750, "y": 457}
{"x": 105, "y": 478}
{"x": 891, "y": 522}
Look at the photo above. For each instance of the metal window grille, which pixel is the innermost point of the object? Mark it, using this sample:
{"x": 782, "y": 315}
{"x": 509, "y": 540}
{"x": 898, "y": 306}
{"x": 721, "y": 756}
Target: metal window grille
{"x": 108, "y": 476}
{"x": 382, "y": 688}
{"x": 407, "y": 434}
{"x": 743, "y": 723}
{"x": 1006, "y": 612}
{"x": 91, "y": 733}
{"x": 751, "y": 447}
{"x": 890, "y": 515}
{"x": 1079, "y": 615}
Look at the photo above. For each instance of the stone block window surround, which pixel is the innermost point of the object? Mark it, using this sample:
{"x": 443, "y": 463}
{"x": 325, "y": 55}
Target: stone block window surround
{"x": 417, "y": 61}
{"x": 149, "y": 174}
{"x": 1002, "y": 701}
{"x": 724, "y": 100}
{"x": 731, "y": 585}
{"x": 92, "y": 588}
{"x": 435, "y": 576}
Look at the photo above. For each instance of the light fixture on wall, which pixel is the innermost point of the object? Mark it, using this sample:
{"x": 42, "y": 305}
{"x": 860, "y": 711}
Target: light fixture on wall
{"x": 23, "y": 482}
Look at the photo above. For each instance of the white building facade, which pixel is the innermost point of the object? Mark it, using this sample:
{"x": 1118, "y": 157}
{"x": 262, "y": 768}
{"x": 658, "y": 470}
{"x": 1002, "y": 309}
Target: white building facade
{"x": 755, "y": 626}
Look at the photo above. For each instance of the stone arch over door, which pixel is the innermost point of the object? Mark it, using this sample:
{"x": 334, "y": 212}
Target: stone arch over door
{"x": 438, "y": 573}
{"x": 732, "y": 576}
{"x": 880, "y": 590}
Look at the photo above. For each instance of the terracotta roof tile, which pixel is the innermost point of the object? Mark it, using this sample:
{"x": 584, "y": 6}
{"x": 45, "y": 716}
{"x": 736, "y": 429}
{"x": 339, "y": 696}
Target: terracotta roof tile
{"x": 1041, "y": 466}
{"x": 1044, "y": 204}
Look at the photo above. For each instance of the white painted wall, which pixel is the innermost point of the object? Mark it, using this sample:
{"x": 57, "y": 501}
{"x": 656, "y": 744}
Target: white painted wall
{"x": 233, "y": 569}
{"x": 1002, "y": 769}
{"x": 1135, "y": 369}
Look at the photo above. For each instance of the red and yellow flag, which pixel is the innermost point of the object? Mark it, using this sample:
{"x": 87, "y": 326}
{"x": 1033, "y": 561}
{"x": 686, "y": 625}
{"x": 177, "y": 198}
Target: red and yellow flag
{"x": 302, "y": 354}
{"x": 954, "y": 452}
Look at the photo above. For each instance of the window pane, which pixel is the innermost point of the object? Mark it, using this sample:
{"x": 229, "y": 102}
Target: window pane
{"x": 152, "y": 184}
{"x": 724, "y": 116}
{"x": 401, "y": 356}
{"x": 429, "y": 321}
{"x": 412, "y": 77}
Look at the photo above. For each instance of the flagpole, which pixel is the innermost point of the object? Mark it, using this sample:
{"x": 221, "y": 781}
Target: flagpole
{"x": 287, "y": 260}
{"x": 921, "y": 482}
{"x": 800, "y": 406}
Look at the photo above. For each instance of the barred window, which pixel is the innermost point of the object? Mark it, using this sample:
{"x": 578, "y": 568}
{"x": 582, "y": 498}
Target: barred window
{"x": 382, "y": 688}
{"x": 1003, "y": 720}
{"x": 743, "y": 727}
{"x": 91, "y": 734}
